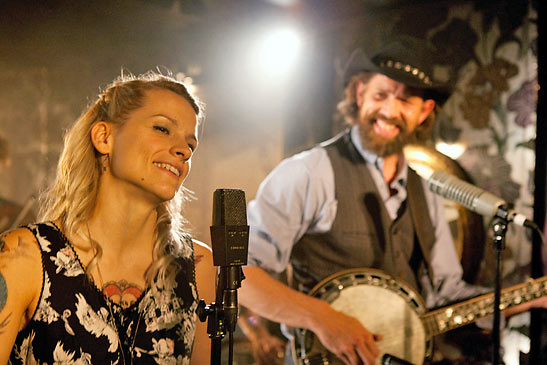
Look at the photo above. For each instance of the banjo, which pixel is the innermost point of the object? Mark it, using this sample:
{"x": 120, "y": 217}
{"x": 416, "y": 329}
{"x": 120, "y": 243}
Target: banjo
{"x": 393, "y": 309}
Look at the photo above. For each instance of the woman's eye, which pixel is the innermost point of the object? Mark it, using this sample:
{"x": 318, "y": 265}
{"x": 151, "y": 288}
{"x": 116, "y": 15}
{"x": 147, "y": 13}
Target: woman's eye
{"x": 161, "y": 129}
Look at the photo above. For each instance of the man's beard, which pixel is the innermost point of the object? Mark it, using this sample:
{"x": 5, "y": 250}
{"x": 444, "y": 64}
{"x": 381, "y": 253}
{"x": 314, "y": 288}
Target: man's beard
{"x": 383, "y": 146}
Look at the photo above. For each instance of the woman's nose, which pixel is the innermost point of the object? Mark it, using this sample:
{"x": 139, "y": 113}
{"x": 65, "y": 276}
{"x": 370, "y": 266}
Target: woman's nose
{"x": 183, "y": 151}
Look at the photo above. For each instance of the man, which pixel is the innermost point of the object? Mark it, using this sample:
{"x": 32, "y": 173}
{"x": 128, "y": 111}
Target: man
{"x": 352, "y": 202}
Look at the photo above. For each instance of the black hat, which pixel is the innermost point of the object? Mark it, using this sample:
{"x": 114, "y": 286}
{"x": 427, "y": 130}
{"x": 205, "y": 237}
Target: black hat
{"x": 407, "y": 60}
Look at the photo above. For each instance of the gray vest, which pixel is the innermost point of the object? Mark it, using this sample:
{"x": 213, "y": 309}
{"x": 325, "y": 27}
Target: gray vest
{"x": 363, "y": 235}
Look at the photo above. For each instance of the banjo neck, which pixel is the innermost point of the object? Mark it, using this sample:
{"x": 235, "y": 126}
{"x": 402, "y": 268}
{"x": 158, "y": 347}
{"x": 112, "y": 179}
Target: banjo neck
{"x": 460, "y": 314}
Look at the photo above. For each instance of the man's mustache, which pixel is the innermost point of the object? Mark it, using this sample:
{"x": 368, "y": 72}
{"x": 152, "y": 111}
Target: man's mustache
{"x": 399, "y": 123}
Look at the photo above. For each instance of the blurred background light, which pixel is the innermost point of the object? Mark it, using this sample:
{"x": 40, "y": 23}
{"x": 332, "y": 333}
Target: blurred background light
{"x": 283, "y": 2}
{"x": 452, "y": 150}
{"x": 188, "y": 81}
{"x": 276, "y": 51}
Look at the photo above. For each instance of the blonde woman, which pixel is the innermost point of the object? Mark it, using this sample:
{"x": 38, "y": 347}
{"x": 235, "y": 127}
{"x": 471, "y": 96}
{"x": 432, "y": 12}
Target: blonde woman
{"x": 110, "y": 277}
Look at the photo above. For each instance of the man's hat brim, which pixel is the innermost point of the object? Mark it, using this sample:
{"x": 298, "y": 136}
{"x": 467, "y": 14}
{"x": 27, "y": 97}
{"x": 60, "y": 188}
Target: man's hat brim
{"x": 410, "y": 70}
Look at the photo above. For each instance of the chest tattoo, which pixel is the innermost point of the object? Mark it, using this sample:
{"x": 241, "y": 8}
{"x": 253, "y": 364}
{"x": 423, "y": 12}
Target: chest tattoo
{"x": 122, "y": 292}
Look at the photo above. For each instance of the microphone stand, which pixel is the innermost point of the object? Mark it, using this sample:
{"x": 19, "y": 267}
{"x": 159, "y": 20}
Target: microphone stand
{"x": 229, "y": 239}
{"x": 212, "y": 313}
{"x": 499, "y": 227}
{"x": 222, "y": 315}
{"x": 232, "y": 275}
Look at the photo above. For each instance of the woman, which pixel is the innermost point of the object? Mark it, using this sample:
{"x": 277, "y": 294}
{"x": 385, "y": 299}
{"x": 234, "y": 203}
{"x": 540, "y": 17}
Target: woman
{"x": 110, "y": 277}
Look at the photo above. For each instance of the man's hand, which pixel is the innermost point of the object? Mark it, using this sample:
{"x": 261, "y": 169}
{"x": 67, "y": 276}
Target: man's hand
{"x": 267, "y": 348}
{"x": 539, "y": 303}
{"x": 341, "y": 334}
{"x": 345, "y": 337}
{"x": 536, "y": 303}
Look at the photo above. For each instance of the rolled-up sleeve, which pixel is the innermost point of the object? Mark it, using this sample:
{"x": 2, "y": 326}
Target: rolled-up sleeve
{"x": 295, "y": 198}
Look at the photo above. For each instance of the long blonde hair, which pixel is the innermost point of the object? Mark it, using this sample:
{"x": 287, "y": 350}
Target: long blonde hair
{"x": 73, "y": 196}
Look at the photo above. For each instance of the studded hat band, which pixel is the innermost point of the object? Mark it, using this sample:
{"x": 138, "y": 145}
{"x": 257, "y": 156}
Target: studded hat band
{"x": 407, "y": 68}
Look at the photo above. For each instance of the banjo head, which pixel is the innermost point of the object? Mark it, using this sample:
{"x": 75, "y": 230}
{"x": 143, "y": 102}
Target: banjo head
{"x": 383, "y": 305}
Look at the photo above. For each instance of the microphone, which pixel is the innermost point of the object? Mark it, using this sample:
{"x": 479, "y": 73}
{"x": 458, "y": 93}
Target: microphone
{"x": 229, "y": 230}
{"x": 230, "y": 241}
{"x": 388, "y": 359}
{"x": 477, "y": 200}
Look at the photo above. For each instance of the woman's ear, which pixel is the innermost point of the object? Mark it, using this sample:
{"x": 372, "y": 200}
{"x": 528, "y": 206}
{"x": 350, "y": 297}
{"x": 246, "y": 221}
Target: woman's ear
{"x": 101, "y": 137}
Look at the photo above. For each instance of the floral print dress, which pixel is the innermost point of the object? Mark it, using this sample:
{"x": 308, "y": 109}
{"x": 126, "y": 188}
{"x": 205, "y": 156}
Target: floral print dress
{"x": 73, "y": 323}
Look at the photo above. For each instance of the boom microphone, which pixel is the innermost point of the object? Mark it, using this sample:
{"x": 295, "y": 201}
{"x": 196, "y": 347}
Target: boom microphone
{"x": 477, "y": 200}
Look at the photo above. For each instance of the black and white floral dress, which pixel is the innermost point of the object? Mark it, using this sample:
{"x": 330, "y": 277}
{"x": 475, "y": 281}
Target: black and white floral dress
{"x": 73, "y": 323}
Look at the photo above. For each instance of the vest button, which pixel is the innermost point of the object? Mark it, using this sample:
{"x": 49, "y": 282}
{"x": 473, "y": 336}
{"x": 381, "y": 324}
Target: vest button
{"x": 395, "y": 230}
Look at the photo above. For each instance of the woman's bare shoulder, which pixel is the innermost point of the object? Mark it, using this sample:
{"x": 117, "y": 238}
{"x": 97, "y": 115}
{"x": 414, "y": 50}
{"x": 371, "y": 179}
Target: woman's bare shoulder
{"x": 21, "y": 279}
{"x": 202, "y": 252}
{"x": 18, "y": 243}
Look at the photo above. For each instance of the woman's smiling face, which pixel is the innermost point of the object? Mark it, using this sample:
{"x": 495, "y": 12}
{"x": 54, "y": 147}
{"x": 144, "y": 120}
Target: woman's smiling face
{"x": 153, "y": 147}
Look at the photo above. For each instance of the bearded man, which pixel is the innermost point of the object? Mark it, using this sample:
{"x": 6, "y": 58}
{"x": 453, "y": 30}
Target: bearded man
{"x": 353, "y": 202}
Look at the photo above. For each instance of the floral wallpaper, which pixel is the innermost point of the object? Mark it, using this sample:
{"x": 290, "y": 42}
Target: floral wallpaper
{"x": 488, "y": 51}
{"x": 492, "y": 113}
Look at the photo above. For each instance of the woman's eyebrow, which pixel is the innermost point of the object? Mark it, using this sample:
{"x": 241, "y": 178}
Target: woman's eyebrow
{"x": 174, "y": 121}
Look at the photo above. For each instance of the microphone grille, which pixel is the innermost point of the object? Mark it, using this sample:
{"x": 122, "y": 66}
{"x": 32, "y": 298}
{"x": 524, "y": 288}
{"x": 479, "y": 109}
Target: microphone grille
{"x": 470, "y": 196}
{"x": 229, "y": 208}
{"x": 454, "y": 189}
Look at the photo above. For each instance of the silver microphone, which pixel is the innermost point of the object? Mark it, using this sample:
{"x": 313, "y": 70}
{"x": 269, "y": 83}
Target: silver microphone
{"x": 476, "y": 199}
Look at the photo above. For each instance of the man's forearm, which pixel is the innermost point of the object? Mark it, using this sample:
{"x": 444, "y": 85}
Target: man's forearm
{"x": 276, "y": 301}
{"x": 341, "y": 334}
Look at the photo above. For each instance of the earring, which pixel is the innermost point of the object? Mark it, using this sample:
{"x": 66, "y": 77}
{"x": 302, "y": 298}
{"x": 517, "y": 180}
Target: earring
{"x": 105, "y": 163}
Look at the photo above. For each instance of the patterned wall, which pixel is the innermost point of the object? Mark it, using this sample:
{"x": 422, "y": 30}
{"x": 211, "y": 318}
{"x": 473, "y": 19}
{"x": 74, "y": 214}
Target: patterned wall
{"x": 493, "y": 114}
{"x": 490, "y": 55}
